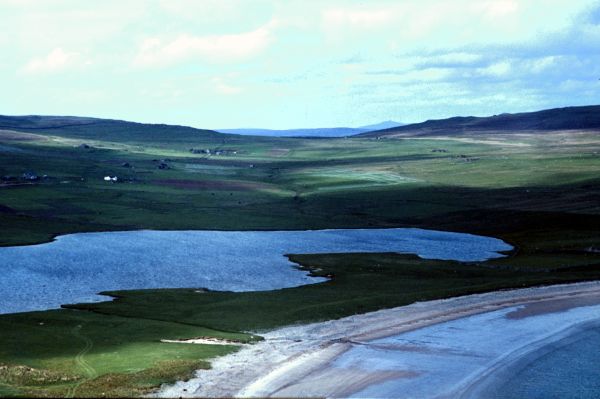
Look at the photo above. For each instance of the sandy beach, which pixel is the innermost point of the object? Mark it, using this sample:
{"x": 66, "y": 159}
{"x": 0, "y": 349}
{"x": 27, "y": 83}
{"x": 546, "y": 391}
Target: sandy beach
{"x": 437, "y": 348}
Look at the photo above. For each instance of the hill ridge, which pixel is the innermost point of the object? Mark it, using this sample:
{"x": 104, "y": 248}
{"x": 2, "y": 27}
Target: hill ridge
{"x": 565, "y": 118}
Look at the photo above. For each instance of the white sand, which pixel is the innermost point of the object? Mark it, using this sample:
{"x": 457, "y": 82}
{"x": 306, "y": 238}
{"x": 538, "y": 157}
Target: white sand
{"x": 321, "y": 359}
{"x": 202, "y": 341}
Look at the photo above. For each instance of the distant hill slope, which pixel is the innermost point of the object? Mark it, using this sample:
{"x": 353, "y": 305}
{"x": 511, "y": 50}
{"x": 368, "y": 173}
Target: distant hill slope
{"x": 318, "y": 132}
{"x": 382, "y": 125}
{"x": 104, "y": 129}
{"x": 569, "y": 118}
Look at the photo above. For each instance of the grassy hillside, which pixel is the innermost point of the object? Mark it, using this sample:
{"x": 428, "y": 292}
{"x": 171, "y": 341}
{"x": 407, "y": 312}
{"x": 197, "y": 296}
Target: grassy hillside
{"x": 106, "y": 129}
{"x": 240, "y": 182}
{"x": 569, "y": 118}
{"x": 82, "y": 354}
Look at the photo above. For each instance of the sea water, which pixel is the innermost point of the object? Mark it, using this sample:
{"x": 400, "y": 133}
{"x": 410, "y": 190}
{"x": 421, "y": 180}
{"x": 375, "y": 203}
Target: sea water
{"x": 553, "y": 354}
{"x": 567, "y": 368}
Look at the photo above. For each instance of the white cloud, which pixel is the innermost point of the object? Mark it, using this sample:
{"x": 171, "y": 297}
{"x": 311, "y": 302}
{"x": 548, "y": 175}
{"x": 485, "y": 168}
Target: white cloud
{"x": 455, "y": 58}
{"x": 350, "y": 23}
{"x": 57, "y": 60}
{"x": 423, "y": 75}
{"x": 198, "y": 9}
{"x": 356, "y": 18}
{"x": 458, "y": 58}
{"x": 165, "y": 93}
{"x": 497, "y": 69}
{"x": 211, "y": 48}
{"x": 221, "y": 87}
{"x": 498, "y": 8}
{"x": 540, "y": 64}
{"x": 425, "y": 23}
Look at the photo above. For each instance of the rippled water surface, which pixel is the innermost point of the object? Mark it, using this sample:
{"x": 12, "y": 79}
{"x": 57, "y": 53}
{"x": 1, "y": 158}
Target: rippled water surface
{"x": 75, "y": 267}
{"x": 568, "y": 368}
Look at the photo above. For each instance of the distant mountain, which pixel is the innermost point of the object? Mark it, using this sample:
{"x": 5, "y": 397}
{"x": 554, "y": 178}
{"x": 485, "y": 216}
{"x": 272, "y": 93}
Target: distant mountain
{"x": 317, "y": 132}
{"x": 88, "y": 128}
{"x": 569, "y": 118}
{"x": 382, "y": 125}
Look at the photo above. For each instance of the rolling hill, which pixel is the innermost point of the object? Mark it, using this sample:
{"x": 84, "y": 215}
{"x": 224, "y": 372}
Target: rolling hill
{"x": 569, "y": 118}
{"x": 118, "y": 130}
{"x": 106, "y": 129}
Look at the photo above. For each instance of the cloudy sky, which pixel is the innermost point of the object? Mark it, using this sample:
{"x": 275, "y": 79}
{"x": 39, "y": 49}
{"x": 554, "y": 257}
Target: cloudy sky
{"x": 288, "y": 63}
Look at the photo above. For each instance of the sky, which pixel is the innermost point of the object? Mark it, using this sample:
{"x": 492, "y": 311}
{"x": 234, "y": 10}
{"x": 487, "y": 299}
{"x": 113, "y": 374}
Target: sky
{"x": 296, "y": 63}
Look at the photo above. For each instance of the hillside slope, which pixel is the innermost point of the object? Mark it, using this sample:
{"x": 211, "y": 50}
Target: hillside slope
{"x": 569, "y": 118}
{"x": 103, "y": 129}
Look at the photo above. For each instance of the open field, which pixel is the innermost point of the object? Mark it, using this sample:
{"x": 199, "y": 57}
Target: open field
{"x": 537, "y": 191}
{"x": 87, "y": 354}
{"x": 320, "y": 183}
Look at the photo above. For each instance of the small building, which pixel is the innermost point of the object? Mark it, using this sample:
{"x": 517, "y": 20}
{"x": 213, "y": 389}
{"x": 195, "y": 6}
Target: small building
{"x": 111, "y": 178}
{"x": 31, "y": 176}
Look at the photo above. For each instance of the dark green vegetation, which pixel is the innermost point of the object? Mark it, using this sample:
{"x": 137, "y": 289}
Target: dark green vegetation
{"x": 360, "y": 283}
{"x": 537, "y": 189}
{"x": 569, "y": 118}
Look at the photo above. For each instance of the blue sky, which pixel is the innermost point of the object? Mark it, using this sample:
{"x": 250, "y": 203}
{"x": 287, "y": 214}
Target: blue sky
{"x": 292, "y": 64}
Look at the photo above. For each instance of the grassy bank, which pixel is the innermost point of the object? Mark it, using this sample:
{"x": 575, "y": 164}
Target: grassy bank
{"x": 62, "y": 353}
{"x": 360, "y": 283}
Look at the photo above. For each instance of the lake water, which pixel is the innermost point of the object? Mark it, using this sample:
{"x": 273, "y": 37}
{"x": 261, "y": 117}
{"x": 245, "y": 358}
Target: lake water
{"x": 75, "y": 267}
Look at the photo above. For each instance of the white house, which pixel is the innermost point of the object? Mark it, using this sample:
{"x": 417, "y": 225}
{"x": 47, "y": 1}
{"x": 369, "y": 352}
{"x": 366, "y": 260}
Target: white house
{"x": 111, "y": 178}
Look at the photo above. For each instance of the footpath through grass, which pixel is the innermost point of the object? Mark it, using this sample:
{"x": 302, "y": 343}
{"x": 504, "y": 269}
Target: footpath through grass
{"x": 64, "y": 353}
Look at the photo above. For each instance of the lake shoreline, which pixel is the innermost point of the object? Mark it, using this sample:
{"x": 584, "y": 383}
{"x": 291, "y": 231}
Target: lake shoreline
{"x": 74, "y": 267}
{"x": 291, "y": 353}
